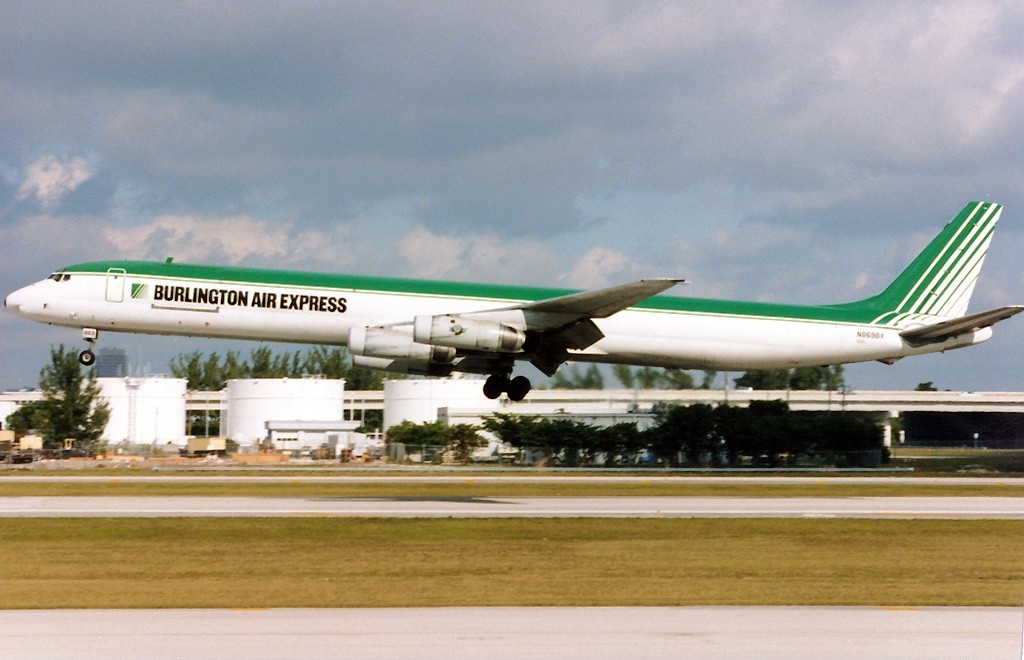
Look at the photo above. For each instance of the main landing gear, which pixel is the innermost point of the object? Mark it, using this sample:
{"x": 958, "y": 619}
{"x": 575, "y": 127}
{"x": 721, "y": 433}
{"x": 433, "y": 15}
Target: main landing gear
{"x": 517, "y": 388}
{"x": 87, "y": 357}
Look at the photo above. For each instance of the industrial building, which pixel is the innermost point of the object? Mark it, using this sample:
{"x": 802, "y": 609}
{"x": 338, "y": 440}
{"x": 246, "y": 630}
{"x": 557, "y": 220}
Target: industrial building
{"x": 300, "y": 414}
{"x": 290, "y": 414}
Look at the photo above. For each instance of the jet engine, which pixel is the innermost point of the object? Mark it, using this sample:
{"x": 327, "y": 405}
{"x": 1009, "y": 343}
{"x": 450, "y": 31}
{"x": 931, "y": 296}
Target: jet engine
{"x": 395, "y": 345}
{"x": 468, "y": 334}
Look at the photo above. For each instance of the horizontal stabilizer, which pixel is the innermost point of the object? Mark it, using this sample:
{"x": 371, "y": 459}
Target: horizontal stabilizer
{"x": 604, "y": 302}
{"x": 943, "y": 330}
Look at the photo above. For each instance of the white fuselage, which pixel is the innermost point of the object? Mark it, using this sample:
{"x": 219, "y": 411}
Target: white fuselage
{"x": 306, "y": 314}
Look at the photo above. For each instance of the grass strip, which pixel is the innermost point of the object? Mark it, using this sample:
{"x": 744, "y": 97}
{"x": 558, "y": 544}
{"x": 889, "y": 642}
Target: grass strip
{"x": 959, "y": 460}
{"x": 343, "y": 562}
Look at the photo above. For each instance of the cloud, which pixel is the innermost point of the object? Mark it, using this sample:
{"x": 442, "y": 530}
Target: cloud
{"x": 600, "y": 267}
{"x": 232, "y": 240}
{"x": 35, "y": 245}
{"x": 779, "y": 151}
{"x": 488, "y": 257}
{"x": 475, "y": 257}
{"x": 49, "y": 179}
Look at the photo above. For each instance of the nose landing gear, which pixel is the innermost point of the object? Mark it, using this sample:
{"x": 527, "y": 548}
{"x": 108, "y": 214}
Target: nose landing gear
{"x": 87, "y": 357}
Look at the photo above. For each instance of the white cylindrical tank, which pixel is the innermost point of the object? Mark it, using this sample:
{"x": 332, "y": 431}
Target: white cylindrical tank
{"x": 418, "y": 400}
{"x": 145, "y": 410}
{"x": 253, "y": 402}
{"x": 6, "y": 409}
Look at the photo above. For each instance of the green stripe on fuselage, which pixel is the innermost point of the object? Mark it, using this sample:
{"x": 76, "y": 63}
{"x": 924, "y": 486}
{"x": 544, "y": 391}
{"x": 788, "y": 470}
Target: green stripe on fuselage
{"x": 500, "y": 294}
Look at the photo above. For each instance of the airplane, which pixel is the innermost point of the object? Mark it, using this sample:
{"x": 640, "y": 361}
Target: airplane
{"x": 434, "y": 328}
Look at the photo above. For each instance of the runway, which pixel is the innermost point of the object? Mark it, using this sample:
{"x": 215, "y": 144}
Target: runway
{"x": 1006, "y": 508}
{"x": 500, "y": 632}
{"x": 821, "y": 633}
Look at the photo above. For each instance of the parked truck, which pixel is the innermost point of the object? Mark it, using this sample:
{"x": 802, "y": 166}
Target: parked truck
{"x": 205, "y": 447}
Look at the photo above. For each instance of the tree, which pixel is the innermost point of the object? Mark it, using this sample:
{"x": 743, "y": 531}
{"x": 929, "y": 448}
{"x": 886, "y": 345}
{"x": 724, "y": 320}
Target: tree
{"x": 261, "y": 363}
{"x": 517, "y": 430}
{"x": 806, "y": 378}
{"x": 817, "y": 378}
{"x": 927, "y": 386}
{"x": 29, "y": 417}
{"x": 572, "y": 378}
{"x": 329, "y": 362}
{"x": 835, "y": 378}
{"x": 205, "y": 374}
{"x": 801, "y": 378}
{"x": 764, "y": 379}
{"x": 462, "y": 439}
{"x": 769, "y": 424}
{"x": 210, "y": 373}
{"x": 368, "y": 379}
{"x": 411, "y": 433}
{"x": 649, "y": 378}
{"x": 677, "y": 379}
{"x": 72, "y": 406}
{"x": 624, "y": 374}
{"x": 618, "y": 443}
{"x": 687, "y": 431}
{"x": 190, "y": 367}
{"x": 213, "y": 375}
{"x": 232, "y": 368}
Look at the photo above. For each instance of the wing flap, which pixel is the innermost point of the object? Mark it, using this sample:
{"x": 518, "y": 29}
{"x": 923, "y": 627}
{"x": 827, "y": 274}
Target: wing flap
{"x": 943, "y": 330}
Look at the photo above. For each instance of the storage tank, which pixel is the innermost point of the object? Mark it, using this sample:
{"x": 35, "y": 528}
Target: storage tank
{"x": 253, "y": 402}
{"x": 144, "y": 410}
{"x": 417, "y": 400}
{"x": 6, "y": 409}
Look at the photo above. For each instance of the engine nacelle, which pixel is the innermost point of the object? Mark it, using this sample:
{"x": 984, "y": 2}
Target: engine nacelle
{"x": 395, "y": 345}
{"x": 468, "y": 334}
{"x": 402, "y": 366}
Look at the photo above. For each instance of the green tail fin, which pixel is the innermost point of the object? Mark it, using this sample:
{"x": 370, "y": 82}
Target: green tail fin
{"x": 940, "y": 281}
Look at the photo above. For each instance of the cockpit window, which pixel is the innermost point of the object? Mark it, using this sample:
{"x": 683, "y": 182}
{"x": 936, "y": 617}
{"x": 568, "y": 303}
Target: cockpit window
{"x": 59, "y": 277}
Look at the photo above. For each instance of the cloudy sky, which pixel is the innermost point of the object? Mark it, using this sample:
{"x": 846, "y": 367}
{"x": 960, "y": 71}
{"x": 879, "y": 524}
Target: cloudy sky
{"x": 775, "y": 151}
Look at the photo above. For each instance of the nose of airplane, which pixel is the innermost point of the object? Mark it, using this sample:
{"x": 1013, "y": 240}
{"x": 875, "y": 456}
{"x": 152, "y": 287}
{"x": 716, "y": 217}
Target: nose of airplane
{"x": 15, "y": 300}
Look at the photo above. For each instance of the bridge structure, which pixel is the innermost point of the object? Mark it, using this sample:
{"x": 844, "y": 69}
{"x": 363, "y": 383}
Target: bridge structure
{"x": 605, "y": 407}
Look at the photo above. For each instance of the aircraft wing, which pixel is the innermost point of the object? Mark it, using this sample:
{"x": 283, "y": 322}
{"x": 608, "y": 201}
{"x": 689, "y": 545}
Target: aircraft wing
{"x": 603, "y": 302}
{"x": 556, "y": 325}
{"x": 937, "y": 332}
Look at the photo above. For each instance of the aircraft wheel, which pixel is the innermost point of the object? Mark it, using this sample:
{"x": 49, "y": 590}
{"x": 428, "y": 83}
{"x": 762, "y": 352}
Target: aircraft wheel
{"x": 495, "y": 385}
{"x": 518, "y": 388}
{"x": 87, "y": 358}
